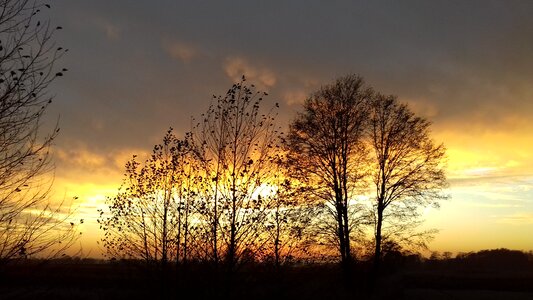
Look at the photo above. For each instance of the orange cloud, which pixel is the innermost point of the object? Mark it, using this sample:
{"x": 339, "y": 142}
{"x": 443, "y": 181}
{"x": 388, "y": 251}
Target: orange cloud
{"x": 236, "y": 67}
{"x": 294, "y": 97}
{"x": 79, "y": 163}
{"x": 300, "y": 90}
{"x": 179, "y": 50}
{"x": 80, "y": 157}
{"x": 479, "y": 153}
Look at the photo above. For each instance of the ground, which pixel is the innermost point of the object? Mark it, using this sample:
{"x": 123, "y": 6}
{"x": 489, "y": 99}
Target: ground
{"x": 92, "y": 279}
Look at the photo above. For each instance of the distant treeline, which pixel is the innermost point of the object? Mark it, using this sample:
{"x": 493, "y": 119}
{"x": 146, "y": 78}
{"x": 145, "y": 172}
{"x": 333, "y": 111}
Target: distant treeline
{"x": 501, "y": 259}
{"x": 490, "y": 259}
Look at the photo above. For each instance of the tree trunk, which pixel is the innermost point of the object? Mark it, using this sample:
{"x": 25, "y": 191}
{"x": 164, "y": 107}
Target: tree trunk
{"x": 232, "y": 243}
{"x": 186, "y": 234}
{"x": 276, "y": 240}
{"x": 347, "y": 235}
{"x": 164, "y": 243}
{"x": 377, "y": 252}
{"x": 215, "y": 223}
{"x": 178, "y": 237}
{"x": 341, "y": 236}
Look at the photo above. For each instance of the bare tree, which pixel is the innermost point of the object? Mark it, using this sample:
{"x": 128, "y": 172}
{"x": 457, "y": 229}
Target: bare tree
{"x": 287, "y": 227}
{"x": 29, "y": 222}
{"x": 235, "y": 143}
{"x": 327, "y": 153}
{"x": 148, "y": 218}
{"x": 188, "y": 185}
{"x": 408, "y": 171}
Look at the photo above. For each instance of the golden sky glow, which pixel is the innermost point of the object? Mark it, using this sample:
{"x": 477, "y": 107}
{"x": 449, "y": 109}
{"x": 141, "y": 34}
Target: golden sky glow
{"x": 491, "y": 188}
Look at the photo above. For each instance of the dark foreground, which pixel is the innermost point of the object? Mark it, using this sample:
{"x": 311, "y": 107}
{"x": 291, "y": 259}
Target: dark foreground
{"x": 487, "y": 278}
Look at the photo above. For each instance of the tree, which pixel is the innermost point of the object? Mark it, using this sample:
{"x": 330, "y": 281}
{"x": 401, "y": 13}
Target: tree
{"x": 287, "y": 226}
{"x": 235, "y": 143}
{"x": 149, "y": 216}
{"x": 29, "y": 222}
{"x": 187, "y": 185}
{"x": 407, "y": 170}
{"x": 327, "y": 153}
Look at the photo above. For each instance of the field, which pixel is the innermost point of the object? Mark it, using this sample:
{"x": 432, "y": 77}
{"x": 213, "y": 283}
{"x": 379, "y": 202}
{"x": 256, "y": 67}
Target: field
{"x": 487, "y": 278}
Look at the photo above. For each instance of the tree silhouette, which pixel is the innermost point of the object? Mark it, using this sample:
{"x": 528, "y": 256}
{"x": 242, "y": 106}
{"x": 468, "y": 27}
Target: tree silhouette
{"x": 326, "y": 151}
{"x": 188, "y": 187}
{"x": 235, "y": 143}
{"x": 149, "y": 217}
{"x": 29, "y": 222}
{"x": 407, "y": 169}
{"x": 288, "y": 224}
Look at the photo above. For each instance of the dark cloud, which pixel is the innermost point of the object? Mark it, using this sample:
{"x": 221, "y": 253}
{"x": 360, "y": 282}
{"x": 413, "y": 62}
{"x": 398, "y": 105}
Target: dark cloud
{"x": 138, "y": 67}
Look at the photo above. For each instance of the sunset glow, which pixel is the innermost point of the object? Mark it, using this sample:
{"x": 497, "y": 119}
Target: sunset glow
{"x": 138, "y": 69}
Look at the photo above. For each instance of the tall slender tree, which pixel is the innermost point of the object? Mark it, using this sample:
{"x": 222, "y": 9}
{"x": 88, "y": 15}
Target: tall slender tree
{"x": 327, "y": 153}
{"x": 408, "y": 168}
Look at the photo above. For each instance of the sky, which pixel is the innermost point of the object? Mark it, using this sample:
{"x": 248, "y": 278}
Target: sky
{"x": 137, "y": 68}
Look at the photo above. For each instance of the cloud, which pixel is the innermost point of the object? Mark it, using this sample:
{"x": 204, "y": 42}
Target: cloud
{"x": 493, "y": 205}
{"x": 294, "y": 97}
{"x": 475, "y": 151}
{"x": 296, "y": 90}
{"x": 80, "y": 161}
{"x": 236, "y": 67}
{"x": 181, "y": 51}
{"x": 522, "y": 218}
{"x": 80, "y": 157}
{"x": 112, "y": 31}
{"x": 422, "y": 107}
